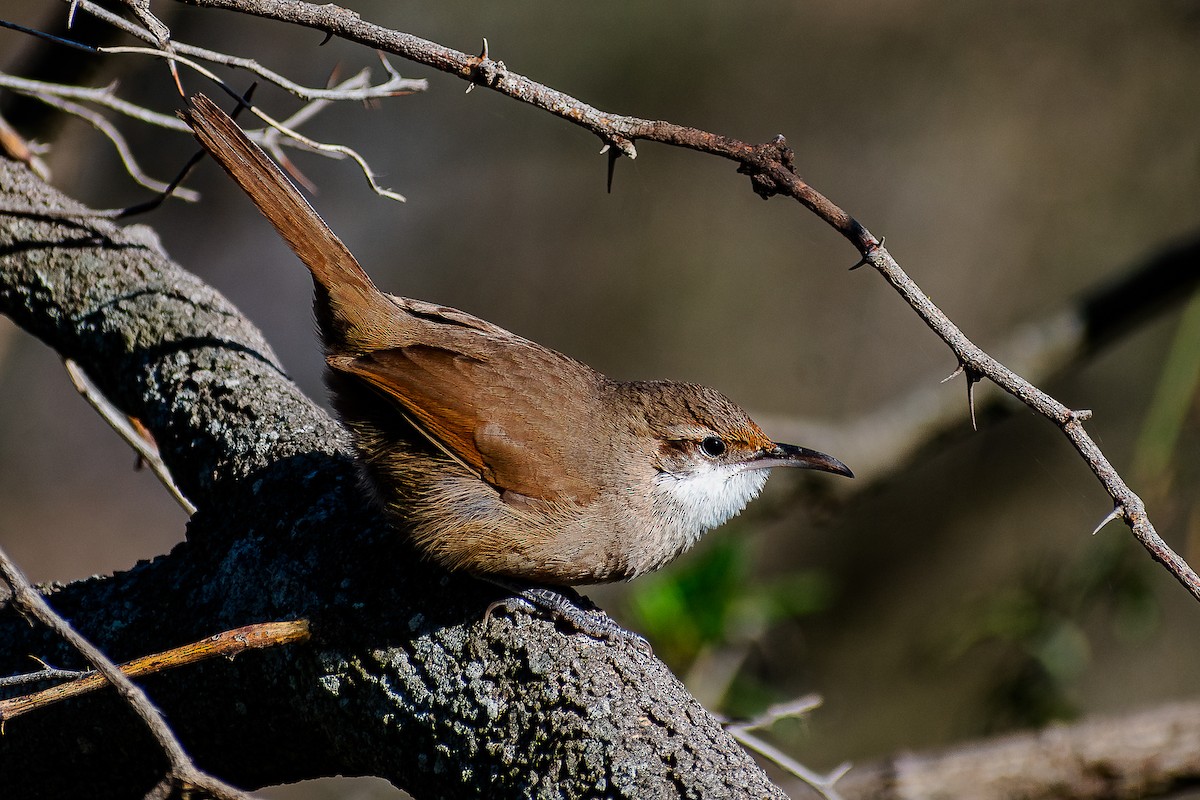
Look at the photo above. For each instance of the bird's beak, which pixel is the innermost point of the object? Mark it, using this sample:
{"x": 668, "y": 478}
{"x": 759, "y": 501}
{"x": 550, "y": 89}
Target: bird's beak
{"x": 789, "y": 455}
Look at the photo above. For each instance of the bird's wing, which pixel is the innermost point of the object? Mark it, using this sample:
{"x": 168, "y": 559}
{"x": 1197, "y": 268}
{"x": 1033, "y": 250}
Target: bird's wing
{"x": 511, "y": 410}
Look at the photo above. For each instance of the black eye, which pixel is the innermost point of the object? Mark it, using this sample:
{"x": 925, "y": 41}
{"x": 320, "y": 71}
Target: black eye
{"x": 712, "y": 446}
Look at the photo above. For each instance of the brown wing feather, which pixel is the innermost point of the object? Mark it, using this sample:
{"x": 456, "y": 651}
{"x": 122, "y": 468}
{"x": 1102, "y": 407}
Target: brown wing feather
{"x": 470, "y": 393}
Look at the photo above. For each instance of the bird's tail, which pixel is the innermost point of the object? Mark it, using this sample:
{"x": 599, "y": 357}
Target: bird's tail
{"x": 355, "y": 308}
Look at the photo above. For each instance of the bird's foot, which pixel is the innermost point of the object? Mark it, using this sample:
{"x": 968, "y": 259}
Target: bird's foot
{"x": 565, "y": 604}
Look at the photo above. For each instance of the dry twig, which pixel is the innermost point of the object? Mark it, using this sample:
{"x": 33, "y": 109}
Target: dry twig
{"x": 183, "y": 775}
{"x": 395, "y": 84}
{"x": 227, "y": 644}
{"x": 146, "y": 450}
{"x": 824, "y": 785}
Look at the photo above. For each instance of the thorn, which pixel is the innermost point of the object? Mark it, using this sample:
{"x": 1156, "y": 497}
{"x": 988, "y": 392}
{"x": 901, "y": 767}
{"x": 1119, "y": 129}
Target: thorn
{"x": 483, "y": 56}
{"x": 1117, "y": 512}
{"x": 605, "y": 149}
{"x": 325, "y": 41}
{"x": 973, "y": 378}
{"x": 175, "y": 74}
{"x": 971, "y": 403}
{"x": 613, "y": 155}
{"x": 871, "y": 248}
{"x": 953, "y": 375}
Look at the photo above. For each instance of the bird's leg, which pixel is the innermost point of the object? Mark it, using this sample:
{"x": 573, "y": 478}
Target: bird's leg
{"x": 566, "y": 604}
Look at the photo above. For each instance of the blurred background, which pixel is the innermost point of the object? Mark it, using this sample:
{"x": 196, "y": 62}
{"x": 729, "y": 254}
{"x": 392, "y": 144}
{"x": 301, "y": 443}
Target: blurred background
{"x": 1015, "y": 155}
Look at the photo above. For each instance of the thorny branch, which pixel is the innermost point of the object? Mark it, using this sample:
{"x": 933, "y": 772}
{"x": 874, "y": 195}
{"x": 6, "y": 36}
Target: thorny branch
{"x": 772, "y": 172}
{"x": 882, "y": 441}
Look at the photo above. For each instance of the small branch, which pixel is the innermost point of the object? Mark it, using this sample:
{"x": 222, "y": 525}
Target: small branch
{"x": 183, "y": 773}
{"x": 821, "y": 784}
{"x": 146, "y": 449}
{"x": 102, "y": 96}
{"x": 269, "y": 120}
{"x": 46, "y": 674}
{"x": 228, "y": 644}
{"x": 740, "y": 731}
{"x": 110, "y": 131}
{"x": 394, "y": 86}
{"x": 799, "y": 707}
{"x": 270, "y": 138}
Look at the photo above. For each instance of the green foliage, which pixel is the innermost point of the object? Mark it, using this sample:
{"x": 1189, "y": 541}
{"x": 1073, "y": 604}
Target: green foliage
{"x": 713, "y": 600}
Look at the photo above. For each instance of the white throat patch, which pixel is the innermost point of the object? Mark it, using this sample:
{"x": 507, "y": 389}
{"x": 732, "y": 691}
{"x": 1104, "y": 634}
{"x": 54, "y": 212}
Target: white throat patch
{"x": 708, "y": 496}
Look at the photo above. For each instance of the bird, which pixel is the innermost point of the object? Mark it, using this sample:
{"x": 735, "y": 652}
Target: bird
{"x": 497, "y": 456}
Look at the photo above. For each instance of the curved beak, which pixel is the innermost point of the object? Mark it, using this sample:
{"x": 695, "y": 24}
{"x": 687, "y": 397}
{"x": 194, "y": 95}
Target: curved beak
{"x": 790, "y": 455}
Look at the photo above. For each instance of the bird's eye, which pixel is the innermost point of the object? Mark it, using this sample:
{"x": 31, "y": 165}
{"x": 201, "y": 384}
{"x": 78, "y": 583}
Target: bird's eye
{"x": 712, "y": 446}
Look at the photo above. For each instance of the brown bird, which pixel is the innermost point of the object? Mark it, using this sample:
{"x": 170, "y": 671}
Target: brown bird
{"x": 500, "y": 457}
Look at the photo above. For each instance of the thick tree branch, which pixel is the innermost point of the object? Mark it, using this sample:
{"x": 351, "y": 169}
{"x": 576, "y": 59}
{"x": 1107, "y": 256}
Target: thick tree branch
{"x": 403, "y": 679}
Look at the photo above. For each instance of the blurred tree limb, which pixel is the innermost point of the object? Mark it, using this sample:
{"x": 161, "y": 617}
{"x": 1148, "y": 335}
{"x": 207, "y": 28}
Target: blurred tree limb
{"x": 1141, "y": 754}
